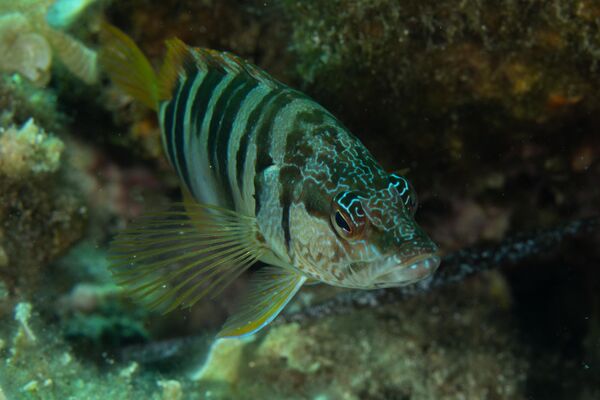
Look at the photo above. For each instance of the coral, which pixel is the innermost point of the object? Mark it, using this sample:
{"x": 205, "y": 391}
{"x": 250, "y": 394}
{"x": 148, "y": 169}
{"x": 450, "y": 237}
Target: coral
{"x": 223, "y": 362}
{"x": 28, "y": 152}
{"x": 24, "y": 51}
{"x": 105, "y": 325}
{"x": 27, "y": 37}
{"x": 3, "y": 256}
{"x": 94, "y": 313}
{"x": 5, "y": 305}
{"x": 41, "y": 213}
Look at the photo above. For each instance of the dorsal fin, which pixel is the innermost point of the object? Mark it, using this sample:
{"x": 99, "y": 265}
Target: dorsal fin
{"x": 129, "y": 69}
{"x": 179, "y": 59}
{"x": 232, "y": 64}
{"x": 127, "y": 66}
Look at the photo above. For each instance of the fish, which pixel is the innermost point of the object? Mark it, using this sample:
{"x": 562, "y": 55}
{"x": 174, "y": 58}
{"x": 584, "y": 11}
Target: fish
{"x": 268, "y": 176}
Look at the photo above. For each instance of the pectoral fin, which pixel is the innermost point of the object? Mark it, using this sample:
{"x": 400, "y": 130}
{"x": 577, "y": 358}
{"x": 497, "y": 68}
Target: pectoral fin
{"x": 189, "y": 252}
{"x": 271, "y": 290}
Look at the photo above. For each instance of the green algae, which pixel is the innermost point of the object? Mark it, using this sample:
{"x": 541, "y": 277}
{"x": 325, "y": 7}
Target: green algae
{"x": 44, "y": 367}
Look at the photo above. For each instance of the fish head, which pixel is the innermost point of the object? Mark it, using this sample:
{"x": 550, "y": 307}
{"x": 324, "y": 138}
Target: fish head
{"x": 373, "y": 239}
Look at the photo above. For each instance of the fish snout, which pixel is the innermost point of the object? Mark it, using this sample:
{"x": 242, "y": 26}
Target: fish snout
{"x": 409, "y": 271}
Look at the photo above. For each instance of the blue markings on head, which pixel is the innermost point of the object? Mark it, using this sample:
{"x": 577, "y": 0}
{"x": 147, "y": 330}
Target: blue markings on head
{"x": 401, "y": 185}
{"x": 397, "y": 180}
{"x": 348, "y": 213}
{"x": 405, "y": 190}
{"x": 348, "y": 201}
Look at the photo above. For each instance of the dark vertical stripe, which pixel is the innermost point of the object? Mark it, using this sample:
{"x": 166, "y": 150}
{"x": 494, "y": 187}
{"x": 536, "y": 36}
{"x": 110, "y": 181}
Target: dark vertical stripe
{"x": 289, "y": 176}
{"x": 182, "y": 101}
{"x": 248, "y": 130}
{"x": 264, "y": 132}
{"x": 224, "y": 95}
{"x": 202, "y": 98}
{"x": 221, "y": 152}
{"x": 218, "y": 115}
{"x": 297, "y": 143}
{"x": 168, "y": 127}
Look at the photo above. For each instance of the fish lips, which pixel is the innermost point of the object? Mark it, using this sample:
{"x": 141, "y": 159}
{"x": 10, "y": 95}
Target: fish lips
{"x": 408, "y": 271}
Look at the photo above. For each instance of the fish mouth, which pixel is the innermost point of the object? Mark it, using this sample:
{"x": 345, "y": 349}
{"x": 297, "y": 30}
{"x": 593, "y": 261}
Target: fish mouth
{"x": 409, "y": 271}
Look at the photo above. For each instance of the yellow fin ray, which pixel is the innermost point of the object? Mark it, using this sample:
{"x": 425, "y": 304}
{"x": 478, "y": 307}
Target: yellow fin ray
{"x": 272, "y": 289}
{"x": 208, "y": 271}
{"x": 232, "y": 64}
{"x": 177, "y": 59}
{"x": 215, "y": 287}
{"x": 151, "y": 266}
{"x": 209, "y": 245}
{"x": 130, "y": 70}
{"x": 179, "y": 256}
{"x": 127, "y": 66}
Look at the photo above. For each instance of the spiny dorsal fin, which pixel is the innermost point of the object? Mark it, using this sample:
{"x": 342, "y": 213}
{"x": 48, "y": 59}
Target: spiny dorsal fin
{"x": 127, "y": 66}
{"x": 178, "y": 60}
{"x": 231, "y": 64}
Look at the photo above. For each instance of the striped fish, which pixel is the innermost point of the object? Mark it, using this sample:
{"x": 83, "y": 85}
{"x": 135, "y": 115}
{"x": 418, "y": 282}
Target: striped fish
{"x": 267, "y": 175}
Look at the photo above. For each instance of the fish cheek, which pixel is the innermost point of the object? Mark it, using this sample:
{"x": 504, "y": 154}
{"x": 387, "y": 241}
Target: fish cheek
{"x": 379, "y": 241}
{"x": 313, "y": 244}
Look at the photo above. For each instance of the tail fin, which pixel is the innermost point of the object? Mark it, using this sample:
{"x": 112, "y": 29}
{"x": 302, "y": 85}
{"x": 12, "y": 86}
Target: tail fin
{"x": 128, "y": 67}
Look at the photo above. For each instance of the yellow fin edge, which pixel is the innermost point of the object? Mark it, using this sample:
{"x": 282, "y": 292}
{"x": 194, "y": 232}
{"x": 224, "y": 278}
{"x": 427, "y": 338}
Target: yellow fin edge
{"x": 281, "y": 295}
{"x": 178, "y": 57}
{"x": 127, "y": 66}
{"x": 131, "y": 71}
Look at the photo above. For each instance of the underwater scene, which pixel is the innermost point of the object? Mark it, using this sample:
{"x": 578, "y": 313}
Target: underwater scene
{"x": 299, "y": 199}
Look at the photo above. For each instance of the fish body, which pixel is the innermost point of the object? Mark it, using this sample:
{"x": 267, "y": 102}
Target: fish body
{"x": 268, "y": 174}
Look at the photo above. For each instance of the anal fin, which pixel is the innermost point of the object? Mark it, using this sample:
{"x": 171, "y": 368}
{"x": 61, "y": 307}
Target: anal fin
{"x": 272, "y": 288}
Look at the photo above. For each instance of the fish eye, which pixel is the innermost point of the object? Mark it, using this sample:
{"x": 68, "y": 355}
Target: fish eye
{"x": 348, "y": 217}
{"x": 405, "y": 190}
{"x": 341, "y": 222}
